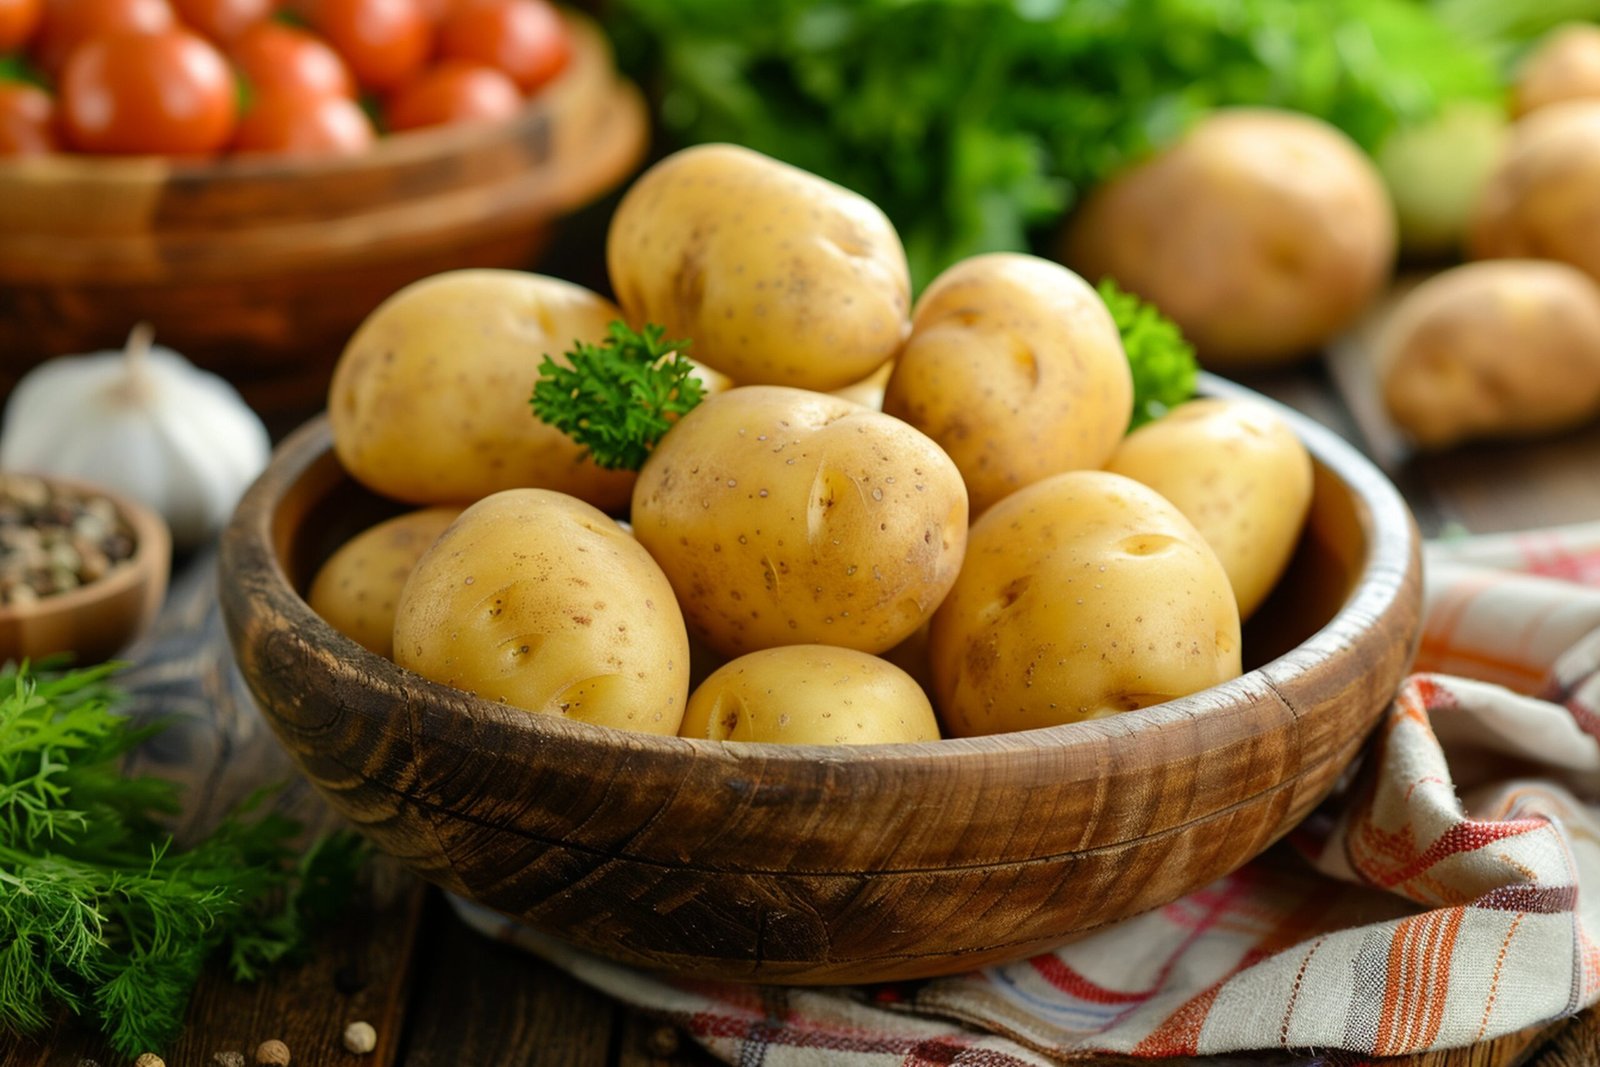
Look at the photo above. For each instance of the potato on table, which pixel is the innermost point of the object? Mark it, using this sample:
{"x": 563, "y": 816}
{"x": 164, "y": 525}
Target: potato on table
{"x": 537, "y": 600}
{"x": 1543, "y": 200}
{"x": 358, "y": 589}
{"x": 1261, "y": 233}
{"x": 778, "y": 276}
{"x": 1503, "y": 348}
{"x": 1015, "y": 367}
{"x": 1565, "y": 66}
{"x": 429, "y": 402}
{"x": 785, "y": 517}
{"x": 1236, "y": 471}
{"x": 810, "y": 695}
{"x": 1084, "y": 595}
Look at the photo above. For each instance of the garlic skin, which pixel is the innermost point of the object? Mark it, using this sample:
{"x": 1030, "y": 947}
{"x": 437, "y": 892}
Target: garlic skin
{"x": 145, "y": 422}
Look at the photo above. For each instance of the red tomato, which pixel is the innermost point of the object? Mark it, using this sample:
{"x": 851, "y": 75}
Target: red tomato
{"x": 18, "y": 20}
{"x": 385, "y": 41}
{"x": 454, "y": 92}
{"x": 275, "y": 59}
{"x": 524, "y": 38}
{"x": 299, "y": 125}
{"x": 69, "y": 23}
{"x": 27, "y": 120}
{"x": 168, "y": 93}
{"x": 223, "y": 20}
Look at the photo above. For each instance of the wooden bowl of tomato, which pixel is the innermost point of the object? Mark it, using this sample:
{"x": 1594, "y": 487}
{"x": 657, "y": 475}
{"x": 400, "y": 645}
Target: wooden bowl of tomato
{"x": 309, "y": 168}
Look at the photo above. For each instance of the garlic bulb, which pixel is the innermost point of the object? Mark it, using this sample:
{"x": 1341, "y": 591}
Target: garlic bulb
{"x": 145, "y": 422}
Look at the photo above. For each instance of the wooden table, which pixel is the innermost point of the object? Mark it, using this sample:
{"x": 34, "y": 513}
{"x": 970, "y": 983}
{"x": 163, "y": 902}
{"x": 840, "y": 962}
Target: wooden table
{"x": 440, "y": 996}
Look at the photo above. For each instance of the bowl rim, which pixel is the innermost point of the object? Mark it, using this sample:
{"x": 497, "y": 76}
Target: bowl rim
{"x": 590, "y": 51}
{"x": 152, "y": 544}
{"x": 1392, "y": 553}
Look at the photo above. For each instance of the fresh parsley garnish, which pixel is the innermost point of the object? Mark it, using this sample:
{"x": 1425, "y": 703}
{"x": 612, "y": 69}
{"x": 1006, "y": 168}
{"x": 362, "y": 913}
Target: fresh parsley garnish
{"x": 1163, "y": 363}
{"x": 617, "y": 398}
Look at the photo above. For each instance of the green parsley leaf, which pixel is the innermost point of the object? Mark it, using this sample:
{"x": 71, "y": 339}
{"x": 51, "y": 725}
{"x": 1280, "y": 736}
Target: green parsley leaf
{"x": 1163, "y": 363}
{"x": 619, "y": 397}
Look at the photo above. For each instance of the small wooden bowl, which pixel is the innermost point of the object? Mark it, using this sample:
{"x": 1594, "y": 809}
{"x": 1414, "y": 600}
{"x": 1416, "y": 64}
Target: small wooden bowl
{"x": 95, "y": 621}
{"x": 828, "y": 863}
{"x": 260, "y": 268}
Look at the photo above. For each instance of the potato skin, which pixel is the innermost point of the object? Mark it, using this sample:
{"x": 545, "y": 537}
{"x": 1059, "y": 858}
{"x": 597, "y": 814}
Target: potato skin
{"x": 1084, "y": 595}
{"x": 786, "y": 517}
{"x": 1540, "y": 202}
{"x": 1261, "y": 234}
{"x": 778, "y": 276}
{"x": 1502, "y": 348}
{"x": 1565, "y": 66}
{"x": 810, "y": 695}
{"x": 429, "y": 402}
{"x": 356, "y": 591}
{"x": 1238, "y": 472}
{"x": 1015, "y": 367}
{"x": 537, "y": 600}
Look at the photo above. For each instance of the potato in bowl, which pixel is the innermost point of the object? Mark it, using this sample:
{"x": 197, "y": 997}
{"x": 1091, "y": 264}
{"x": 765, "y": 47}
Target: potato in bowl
{"x": 827, "y": 863}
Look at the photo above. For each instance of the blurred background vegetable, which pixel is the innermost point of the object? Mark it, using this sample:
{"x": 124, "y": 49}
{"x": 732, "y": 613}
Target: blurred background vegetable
{"x": 976, "y": 124}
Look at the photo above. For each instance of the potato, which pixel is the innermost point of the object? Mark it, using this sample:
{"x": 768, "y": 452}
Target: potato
{"x": 785, "y": 517}
{"x": 777, "y": 276}
{"x": 429, "y": 402}
{"x": 1565, "y": 66}
{"x": 1503, "y": 348}
{"x": 868, "y": 392}
{"x": 810, "y": 695}
{"x": 537, "y": 600}
{"x": 1543, "y": 200}
{"x": 1237, "y": 472}
{"x": 357, "y": 589}
{"x": 1015, "y": 367}
{"x": 1084, "y": 595}
{"x": 1261, "y": 233}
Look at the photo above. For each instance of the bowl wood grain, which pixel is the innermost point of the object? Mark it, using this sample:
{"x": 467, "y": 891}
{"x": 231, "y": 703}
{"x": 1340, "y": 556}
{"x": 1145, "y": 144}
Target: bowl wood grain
{"x": 259, "y": 268}
{"x": 827, "y": 864}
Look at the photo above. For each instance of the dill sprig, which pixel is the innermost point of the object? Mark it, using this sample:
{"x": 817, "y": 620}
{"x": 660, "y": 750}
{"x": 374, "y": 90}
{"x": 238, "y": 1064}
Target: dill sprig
{"x": 1162, "y": 361}
{"x": 617, "y": 398}
{"x": 100, "y": 912}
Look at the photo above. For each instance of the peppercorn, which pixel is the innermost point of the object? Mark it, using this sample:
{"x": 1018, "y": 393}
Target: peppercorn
{"x": 360, "y": 1038}
{"x": 54, "y": 539}
{"x": 272, "y": 1053}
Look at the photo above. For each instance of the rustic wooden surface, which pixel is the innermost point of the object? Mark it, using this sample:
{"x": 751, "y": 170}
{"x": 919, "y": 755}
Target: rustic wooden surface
{"x": 441, "y": 995}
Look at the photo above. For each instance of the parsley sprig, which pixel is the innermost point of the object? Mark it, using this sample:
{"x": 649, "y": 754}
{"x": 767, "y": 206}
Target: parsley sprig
{"x": 617, "y": 398}
{"x": 100, "y": 912}
{"x": 1162, "y": 361}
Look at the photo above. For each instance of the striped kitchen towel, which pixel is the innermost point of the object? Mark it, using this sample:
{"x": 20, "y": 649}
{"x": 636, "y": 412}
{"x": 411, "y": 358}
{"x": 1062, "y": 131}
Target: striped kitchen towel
{"x": 1450, "y": 894}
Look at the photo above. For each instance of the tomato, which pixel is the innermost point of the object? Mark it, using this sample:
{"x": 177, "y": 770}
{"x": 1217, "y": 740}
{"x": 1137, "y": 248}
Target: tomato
{"x": 385, "y": 41}
{"x": 454, "y": 92}
{"x": 299, "y": 125}
{"x": 18, "y": 20}
{"x": 524, "y": 38}
{"x": 276, "y": 59}
{"x": 69, "y": 23}
{"x": 168, "y": 92}
{"x": 223, "y": 20}
{"x": 27, "y": 120}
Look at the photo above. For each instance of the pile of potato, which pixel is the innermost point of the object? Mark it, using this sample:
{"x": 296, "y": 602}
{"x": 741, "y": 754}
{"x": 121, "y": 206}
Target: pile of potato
{"x": 988, "y": 552}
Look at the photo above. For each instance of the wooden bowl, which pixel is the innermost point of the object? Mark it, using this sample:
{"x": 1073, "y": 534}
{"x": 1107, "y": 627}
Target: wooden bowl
{"x": 827, "y": 864}
{"x": 260, "y": 268}
{"x": 97, "y": 620}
